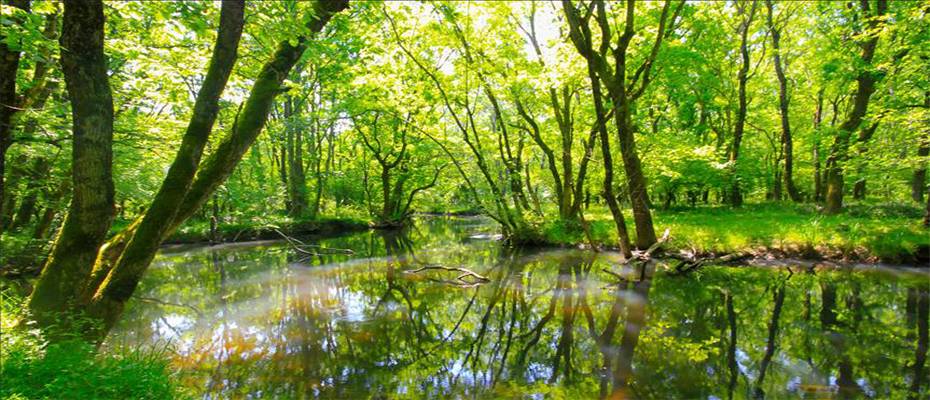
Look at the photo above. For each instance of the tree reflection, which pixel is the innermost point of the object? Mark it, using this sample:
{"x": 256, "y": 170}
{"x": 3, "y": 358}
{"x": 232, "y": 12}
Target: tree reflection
{"x": 261, "y": 321}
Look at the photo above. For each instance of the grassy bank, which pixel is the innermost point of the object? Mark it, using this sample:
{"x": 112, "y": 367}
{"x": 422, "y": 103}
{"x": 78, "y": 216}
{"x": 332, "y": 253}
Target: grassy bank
{"x": 30, "y": 368}
{"x": 264, "y": 230}
{"x": 887, "y": 233}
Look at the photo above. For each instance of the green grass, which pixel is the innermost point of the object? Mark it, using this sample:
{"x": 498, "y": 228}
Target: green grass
{"x": 886, "y": 232}
{"x": 30, "y": 368}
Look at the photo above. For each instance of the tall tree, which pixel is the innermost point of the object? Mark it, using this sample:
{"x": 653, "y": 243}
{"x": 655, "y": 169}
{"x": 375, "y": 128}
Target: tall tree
{"x": 866, "y": 80}
{"x": 775, "y": 28}
{"x": 623, "y": 92}
{"x": 742, "y": 77}
{"x": 85, "y": 69}
{"x": 101, "y": 288}
{"x": 9, "y": 65}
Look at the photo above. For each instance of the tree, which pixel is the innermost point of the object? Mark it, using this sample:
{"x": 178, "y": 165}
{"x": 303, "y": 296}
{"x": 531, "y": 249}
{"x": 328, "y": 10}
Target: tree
{"x": 866, "y": 80}
{"x": 623, "y": 94}
{"x": 395, "y": 152}
{"x": 775, "y": 29}
{"x": 85, "y": 69}
{"x": 736, "y": 196}
{"x": 101, "y": 285}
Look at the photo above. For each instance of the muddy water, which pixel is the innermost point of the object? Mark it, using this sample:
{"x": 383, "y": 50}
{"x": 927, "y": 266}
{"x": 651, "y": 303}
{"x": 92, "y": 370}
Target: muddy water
{"x": 342, "y": 319}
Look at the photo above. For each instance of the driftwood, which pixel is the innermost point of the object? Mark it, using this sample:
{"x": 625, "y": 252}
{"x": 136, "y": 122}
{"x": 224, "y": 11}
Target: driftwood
{"x": 686, "y": 266}
{"x": 477, "y": 279}
{"x": 640, "y": 259}
{"x": 655, "y": 246}
{"x": 302, "y": 247}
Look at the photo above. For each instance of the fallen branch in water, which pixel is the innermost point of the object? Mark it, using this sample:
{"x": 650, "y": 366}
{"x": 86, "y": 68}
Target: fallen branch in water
{"x": 686, "y": 266}
{"x": 640, "y": 259}
{"x": 655, "y": 246}
{"x": 459, "y": 280}
{"x": 298, "y": 245}
{"x": 166, "y": 303}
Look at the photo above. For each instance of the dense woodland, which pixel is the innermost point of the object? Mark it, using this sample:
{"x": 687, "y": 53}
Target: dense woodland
{"x": 124, "y": 123}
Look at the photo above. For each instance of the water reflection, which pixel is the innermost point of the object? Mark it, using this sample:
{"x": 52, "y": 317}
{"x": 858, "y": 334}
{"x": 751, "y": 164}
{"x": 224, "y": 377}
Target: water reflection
{"x": 268, "y": 321}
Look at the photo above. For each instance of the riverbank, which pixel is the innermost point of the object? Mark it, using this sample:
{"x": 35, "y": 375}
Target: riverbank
{"x": 21, "y": 255}
{"x": 875, "y": 233}
{"x": 241, "y": 232}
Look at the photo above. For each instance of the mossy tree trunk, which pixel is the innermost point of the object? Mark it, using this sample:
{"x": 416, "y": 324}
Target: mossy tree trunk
{"x": 110, "y": 288}
{"x": 124, "y": 259}
{"x": 84, "y": 66}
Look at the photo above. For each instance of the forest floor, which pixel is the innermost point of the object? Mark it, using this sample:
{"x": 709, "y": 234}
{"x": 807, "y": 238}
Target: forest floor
{"x": 890, "y": 233}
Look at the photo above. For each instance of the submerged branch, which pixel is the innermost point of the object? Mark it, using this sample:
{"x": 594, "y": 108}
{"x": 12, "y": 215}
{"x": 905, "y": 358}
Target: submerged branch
{"x": 459, "y": 280}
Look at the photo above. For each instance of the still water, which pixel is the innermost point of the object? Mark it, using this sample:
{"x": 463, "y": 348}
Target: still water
{"x": 342, "y": 319}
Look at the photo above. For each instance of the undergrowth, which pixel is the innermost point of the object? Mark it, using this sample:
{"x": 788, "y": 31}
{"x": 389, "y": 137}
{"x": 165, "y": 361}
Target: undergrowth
{"x": 32, "y": 368}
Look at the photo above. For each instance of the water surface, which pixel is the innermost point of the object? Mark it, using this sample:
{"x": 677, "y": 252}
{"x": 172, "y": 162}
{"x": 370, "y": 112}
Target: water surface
{"x": 264, "y": 320}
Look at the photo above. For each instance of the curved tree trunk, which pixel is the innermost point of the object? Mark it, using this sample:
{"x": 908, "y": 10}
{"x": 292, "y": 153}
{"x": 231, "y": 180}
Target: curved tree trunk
{"x": 121, "y": 280}
{"x": 865, "y": 86}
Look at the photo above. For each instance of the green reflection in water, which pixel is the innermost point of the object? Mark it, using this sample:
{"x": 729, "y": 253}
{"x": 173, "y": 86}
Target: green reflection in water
{"x": 263, "y": 320}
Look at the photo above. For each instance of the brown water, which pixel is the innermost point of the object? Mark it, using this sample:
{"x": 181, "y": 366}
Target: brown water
{"x": 267, "y": 321}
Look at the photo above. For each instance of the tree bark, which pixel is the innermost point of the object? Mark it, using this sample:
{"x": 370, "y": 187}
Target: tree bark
{"x": 786, "y": 141}
{"x": 120, "y": 281}
{"x": 85, "y": 70}
{"x": 865, "y": 86}
{"x": 736, "y": 196}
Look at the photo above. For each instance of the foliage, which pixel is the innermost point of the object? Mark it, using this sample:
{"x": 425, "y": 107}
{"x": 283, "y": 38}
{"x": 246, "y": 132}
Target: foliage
{"x": 34, "y": 369}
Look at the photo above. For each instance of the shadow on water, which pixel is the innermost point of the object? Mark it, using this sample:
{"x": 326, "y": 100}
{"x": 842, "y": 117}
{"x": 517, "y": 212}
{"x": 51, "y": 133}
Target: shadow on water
{"x": 264, "y": 320}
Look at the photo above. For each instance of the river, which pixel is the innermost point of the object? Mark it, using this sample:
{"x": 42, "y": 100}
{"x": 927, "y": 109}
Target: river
{"x": 341, "y": 318}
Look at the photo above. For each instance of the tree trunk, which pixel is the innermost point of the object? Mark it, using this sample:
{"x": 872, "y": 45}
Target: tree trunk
{"x": 865, "y": 86}
{"x": 120, "y": 281}
{"x": 27, "y": 207}
{"x": 818, "y": 119}
{"x": 786, "y": 141}
{"x": 216, "y": 168}
{"x": 736, "y": 196}
{"x": 84, "y": 66}
{"x": 9, "y": 65}
{"x": 919, "y": 180}
{"x": 639, "y": 196}
{"x": 297, "y": 182}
